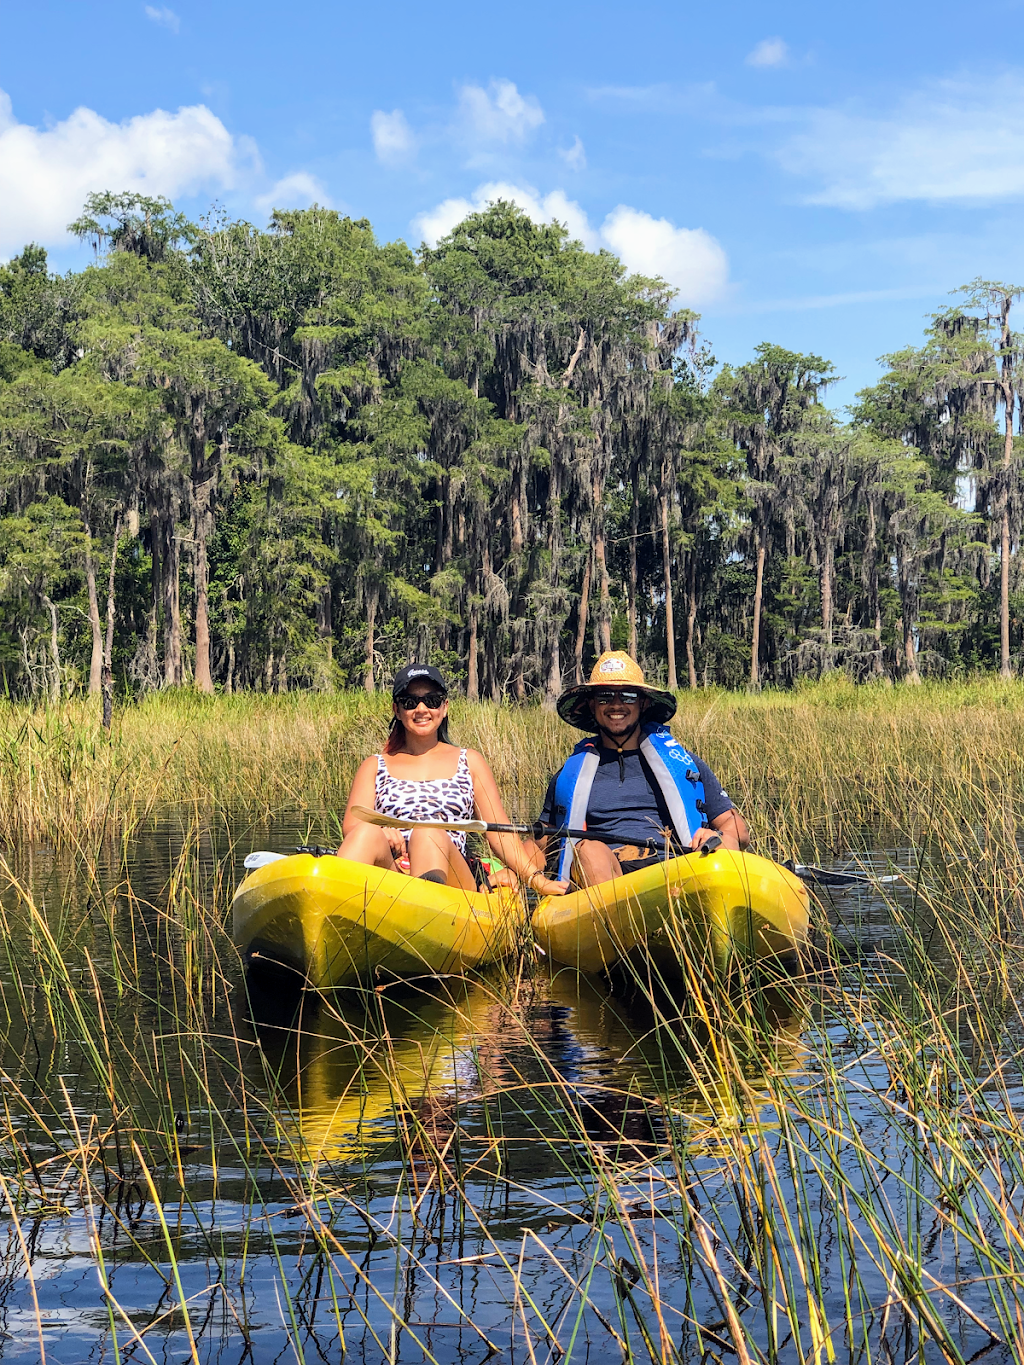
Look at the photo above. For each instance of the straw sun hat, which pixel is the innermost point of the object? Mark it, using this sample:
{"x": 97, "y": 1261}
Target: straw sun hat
{"x": 614, "y": 669}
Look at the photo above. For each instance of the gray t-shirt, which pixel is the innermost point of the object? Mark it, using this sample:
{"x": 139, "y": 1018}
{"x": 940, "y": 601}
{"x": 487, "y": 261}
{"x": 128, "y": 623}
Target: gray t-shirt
{"x": 633, "y": 809}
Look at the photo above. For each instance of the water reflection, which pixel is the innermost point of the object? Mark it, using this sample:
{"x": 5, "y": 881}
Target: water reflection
{"x": 424, "y": 1063}
{"x": 390, "y": 1174}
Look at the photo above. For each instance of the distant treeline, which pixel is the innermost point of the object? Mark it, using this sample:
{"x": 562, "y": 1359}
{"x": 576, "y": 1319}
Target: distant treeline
{"x": 296, "y": 457}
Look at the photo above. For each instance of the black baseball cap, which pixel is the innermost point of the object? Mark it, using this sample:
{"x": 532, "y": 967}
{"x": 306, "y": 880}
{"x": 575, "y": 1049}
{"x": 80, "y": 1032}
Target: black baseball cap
{"x": 412, "y": 673}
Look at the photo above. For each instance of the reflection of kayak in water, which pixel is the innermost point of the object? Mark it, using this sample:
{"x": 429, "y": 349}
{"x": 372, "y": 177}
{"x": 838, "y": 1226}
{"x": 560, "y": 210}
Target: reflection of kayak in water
{"x": 707, "y": 911}
{"x": 631, "y": 1071}
{"x": 362, "y": 1075}
{"x": 336, "y": 923}
{"x": 572, "y": 1059}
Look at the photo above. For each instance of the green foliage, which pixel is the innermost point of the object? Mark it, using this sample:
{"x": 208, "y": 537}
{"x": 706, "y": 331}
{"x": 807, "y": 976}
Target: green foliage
{"x": 307, "y": 456}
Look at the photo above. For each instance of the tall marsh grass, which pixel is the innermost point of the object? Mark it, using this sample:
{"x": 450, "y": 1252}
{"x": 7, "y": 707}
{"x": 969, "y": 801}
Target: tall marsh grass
{"x": 518, "y": 1166}
{"x": 820, "y": 767}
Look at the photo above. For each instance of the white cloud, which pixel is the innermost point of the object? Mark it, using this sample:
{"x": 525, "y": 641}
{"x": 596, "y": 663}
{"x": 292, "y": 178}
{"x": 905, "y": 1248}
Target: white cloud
{"x": 769, "y": 52}
{"x": 439, "y": 221}
{"x": 690, "y": 259}
{"x": 499, "y": 114}
{"x": 297, "y": 191}
{"x": 952, "y": 140}
{"x": 393, "y": 139}
{"x": 166, "y": 18}
{"x": 45, "y": 175}
{"x": 575, "y": 156}
{"x": 433, "y": 224}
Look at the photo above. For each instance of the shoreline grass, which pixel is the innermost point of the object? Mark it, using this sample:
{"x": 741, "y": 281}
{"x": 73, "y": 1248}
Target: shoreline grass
{"x": 818, "y": 768}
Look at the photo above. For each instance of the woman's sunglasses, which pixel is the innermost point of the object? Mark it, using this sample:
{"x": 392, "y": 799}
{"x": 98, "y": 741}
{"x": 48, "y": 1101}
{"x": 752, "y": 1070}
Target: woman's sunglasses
{"x": 612, "y": 694}
{"x": 432, "y": 700}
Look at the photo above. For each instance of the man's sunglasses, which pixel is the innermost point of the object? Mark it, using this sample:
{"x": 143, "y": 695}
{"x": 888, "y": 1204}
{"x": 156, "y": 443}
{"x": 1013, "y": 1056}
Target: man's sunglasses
{"x": 612, "y": 694}
{"x": 432, "y": 700}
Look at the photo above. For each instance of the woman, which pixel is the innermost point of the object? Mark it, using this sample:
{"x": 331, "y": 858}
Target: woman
{"x": 422, "y": 776}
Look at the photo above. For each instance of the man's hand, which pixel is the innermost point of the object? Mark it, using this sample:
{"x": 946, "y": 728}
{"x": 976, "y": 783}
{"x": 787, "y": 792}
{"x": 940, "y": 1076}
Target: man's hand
{"x": 703, "y": 835}
{"x": 731, "y": 826}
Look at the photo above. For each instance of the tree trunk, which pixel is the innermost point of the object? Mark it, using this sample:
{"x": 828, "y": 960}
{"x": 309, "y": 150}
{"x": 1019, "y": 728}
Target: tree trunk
{"x": 325, "y": 632}
{"x": 371, "y": 596}
{"x": 153, "y": 615}
{"x": 604, "y": 610}
{"x": 1005, "y": 670}
{"x": 229, "y": 681}
{"x": 870, "y": 580}
{"x": 107, "y": 671}
{"x": 172, "y": 607}
{"x": 691, "y": 618}
{"x": 517, "y": 543}
{"x": 755, "y": 634}
{"x": 472, "y": 650}
{"x": 204, "y": 676}
{"x": 553, "y": 682}
{"x": 55, "y": 683}
{"x": 555, "y": 615}
{"x": 634, "y": 532}
{"x": 825, "y": 579}
{"x": 581, "y": 624}
{"x": 666, "y": 573}
{"x": 1005, "y": 343}
{"x": 907, "y": 604}
{"x": 96, "y": 659}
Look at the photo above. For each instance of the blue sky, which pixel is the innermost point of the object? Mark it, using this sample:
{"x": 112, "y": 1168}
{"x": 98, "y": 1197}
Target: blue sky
{"x": 817, "y": 176}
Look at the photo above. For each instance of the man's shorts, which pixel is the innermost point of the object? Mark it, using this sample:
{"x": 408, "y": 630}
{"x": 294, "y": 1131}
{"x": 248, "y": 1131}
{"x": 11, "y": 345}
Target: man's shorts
{"x": 635, "y": 864}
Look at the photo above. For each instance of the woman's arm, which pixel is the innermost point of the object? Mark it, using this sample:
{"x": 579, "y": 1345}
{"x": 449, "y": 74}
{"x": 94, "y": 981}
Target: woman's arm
{"x": 526, "y": 862}
{"x": 364, "y": 793}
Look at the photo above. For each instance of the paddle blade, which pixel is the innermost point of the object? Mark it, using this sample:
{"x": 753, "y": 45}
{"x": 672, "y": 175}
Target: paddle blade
{"x": 254, "y": 860}
{"x": 376, "y": 817}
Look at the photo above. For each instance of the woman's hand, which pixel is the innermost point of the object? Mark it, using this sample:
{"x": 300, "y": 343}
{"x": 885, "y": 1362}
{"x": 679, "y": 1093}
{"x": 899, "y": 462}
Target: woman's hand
{"x": 395, "y": 842}
{"x": 545, "y": 886}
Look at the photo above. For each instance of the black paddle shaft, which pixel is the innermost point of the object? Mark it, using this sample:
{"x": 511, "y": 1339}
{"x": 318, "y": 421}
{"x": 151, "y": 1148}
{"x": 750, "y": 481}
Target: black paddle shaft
{"x": 539, "y": 831}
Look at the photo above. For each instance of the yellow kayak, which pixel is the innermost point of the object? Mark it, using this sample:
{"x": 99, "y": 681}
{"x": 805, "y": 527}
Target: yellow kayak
{"x": 690, "y": 912}
{"x": 339, "y": 923}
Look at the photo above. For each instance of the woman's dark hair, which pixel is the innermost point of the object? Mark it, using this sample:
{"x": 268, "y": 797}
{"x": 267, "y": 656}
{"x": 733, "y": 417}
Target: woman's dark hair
{"x": 395, "y": 742}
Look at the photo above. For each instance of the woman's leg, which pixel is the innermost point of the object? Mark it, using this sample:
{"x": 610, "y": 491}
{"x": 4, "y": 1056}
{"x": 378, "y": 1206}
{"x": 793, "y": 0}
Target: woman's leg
{"x": 368, "y": 844}
{"x": 431, "y": 850}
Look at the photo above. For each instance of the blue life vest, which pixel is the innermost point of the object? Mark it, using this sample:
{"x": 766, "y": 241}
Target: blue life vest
{"x": 673, "y": 768}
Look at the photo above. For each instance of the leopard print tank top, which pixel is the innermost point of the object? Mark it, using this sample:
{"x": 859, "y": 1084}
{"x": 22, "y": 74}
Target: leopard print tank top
{"x": 440, "y": 798}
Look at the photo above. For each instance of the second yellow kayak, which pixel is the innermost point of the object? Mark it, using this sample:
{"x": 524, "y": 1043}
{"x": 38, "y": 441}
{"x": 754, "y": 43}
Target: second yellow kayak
{"x": 695, "y": 910}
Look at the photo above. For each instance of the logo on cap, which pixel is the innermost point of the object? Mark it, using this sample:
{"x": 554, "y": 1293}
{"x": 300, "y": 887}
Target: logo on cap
{"x": 613, "y": 666}
{"x": 418, "y": 672}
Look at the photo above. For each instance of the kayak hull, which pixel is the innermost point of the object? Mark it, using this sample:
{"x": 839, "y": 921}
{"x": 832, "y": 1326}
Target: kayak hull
{"x": 333, "y": 922}
{"x": 688, "y": 916}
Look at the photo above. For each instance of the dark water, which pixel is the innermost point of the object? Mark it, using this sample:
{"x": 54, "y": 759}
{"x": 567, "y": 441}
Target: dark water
{"x": 543, "y": 1168}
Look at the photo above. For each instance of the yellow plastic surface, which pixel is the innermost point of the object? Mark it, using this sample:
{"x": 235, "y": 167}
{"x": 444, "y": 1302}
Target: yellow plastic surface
{"x": 339, "y": 923}
{"x": 716, "y": 907}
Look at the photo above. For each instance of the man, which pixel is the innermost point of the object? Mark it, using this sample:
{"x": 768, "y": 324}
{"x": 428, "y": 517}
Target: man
{"x": 633, "y": 781}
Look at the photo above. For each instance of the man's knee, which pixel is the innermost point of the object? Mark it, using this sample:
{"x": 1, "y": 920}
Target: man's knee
{"x": 595, "y": 863}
